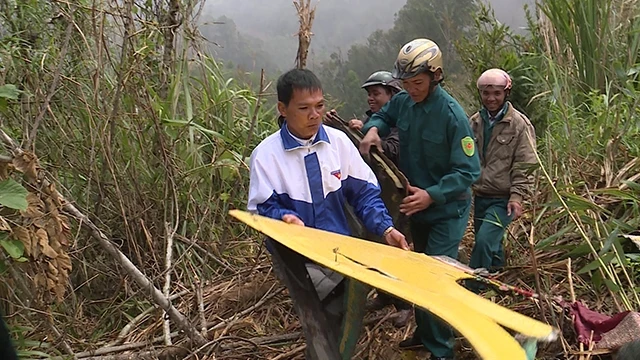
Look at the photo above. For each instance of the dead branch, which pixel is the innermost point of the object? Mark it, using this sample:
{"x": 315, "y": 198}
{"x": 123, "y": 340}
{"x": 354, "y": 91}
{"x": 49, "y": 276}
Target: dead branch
{"x": 306, "y": 14}
{"x": 169, "y": 22}
{"x": 193, "y": 243}
{"x": 166, "y": 353}
{"x": 216, "y": 326}
{"x": 127, "y": 329}
{"x": 277, "y": 339}
{"x": 254, "y": 118}
{"x": 291, "y": 353}
{"x": 200, "y": 300}
{"x": 167, "y": 282}
{"x": 536, "y": 273}
{"x": 118, "y": 348}
{"x": 58, "y": 334}
{"x": 98, "y": 354}
{"x": 265, "y": 340}
{"x": 135, "y": 273}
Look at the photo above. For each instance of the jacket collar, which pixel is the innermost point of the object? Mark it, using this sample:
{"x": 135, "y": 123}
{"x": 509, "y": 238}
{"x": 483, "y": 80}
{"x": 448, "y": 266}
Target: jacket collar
{"x": 290, "y": 142}
{"x": 501, "y": 116}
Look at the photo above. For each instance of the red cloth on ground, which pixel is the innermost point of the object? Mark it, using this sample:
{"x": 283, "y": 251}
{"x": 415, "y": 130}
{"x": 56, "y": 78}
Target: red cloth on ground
{"x": 586, "y": 320}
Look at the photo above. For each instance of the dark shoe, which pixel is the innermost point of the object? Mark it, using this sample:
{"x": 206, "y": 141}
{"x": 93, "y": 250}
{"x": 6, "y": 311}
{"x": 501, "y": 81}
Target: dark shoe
{"x": 441, "y": 358}
{"x": 402, "y": 318}
{"x": 411, "y": 343}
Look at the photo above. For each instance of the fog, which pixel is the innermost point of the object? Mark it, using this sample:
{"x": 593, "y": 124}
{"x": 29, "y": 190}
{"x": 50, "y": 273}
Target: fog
{"x": 511, "y": 12}
{"x": 269, "y": 26}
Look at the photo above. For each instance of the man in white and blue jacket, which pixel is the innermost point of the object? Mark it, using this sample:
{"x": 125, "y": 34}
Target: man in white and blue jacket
{"x": 304, "y": 173}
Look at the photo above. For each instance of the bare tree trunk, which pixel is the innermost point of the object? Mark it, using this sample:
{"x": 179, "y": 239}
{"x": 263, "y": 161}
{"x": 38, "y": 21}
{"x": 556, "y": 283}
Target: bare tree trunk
{"x": 306, "y": 14}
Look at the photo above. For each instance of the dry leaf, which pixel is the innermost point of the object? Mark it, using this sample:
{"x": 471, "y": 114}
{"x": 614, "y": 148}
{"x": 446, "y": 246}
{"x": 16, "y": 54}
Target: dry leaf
{"x": 26, "y": 164}
{"x": 55, "y": 196}
{"x": 43, "y": 241}
{"x": 64, "y": 262}
{"x": 59, "y": 291}
{"x": 55, "y": 245}
{"x": 53, "y": 270}
{"x": 53, "y": 227}
{"x": 44, "y": 231}
{"x": 51, "y": 283}
{"x": 51, "y": 208}
{"x": 64, "y": 221}
{"x": 35, "y": 207}
{"x": 22, "y": 234}
{"x": 65, "y": 234}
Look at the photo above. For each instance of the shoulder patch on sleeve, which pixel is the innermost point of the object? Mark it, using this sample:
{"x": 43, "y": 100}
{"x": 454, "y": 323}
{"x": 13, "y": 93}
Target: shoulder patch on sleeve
{"x": 468, "y": 146}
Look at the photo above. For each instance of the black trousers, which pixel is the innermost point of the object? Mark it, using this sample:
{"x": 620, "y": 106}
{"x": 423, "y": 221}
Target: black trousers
{"x": 320, "y": 327}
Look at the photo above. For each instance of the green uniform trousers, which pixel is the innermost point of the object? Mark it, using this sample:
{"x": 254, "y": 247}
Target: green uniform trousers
{"x": 490, "y": 220}
{"x": 439, "y": 234}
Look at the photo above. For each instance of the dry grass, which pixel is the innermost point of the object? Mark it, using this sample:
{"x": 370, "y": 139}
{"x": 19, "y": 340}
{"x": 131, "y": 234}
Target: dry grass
{"x": 268, "y": 328}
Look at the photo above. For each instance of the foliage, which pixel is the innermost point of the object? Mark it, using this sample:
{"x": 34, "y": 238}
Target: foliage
{"x": 442, "y": 22}
{"x": 144, "y": 132}
{"x": 599, "y": 40}
{"x": 574, "y": 74}
{"x": 494, "y": 45}
{"x": 13, "y": 195}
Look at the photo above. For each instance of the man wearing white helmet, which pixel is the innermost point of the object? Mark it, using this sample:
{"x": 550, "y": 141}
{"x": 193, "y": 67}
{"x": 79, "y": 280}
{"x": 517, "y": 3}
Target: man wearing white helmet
{"x": 437, "y": 154}
{"x": 506, "y": 145}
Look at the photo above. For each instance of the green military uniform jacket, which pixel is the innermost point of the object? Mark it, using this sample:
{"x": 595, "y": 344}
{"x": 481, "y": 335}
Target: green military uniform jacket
{"x": 437, "y": 150}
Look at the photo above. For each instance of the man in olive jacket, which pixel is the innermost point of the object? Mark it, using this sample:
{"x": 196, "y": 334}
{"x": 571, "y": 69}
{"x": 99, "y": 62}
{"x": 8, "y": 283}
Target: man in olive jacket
{"x": 506, "y": 144}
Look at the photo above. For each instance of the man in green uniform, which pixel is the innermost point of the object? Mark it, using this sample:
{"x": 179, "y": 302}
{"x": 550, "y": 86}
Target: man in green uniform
{"x": 506, "y": 145}
{"x": 438, "y": 156}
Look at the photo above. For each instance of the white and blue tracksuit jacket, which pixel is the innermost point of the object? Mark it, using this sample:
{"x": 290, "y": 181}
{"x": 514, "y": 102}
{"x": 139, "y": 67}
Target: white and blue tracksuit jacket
{"x": 312, "y": 179}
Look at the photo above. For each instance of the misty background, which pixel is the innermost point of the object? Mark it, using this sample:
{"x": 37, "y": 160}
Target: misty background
{"x": 258, "y": 34}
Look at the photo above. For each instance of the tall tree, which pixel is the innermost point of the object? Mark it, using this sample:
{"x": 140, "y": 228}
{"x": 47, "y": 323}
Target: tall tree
{"x": 440, "y": 21}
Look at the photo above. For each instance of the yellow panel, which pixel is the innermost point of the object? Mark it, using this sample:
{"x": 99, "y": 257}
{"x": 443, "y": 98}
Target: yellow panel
{"x": 417, "y": 278}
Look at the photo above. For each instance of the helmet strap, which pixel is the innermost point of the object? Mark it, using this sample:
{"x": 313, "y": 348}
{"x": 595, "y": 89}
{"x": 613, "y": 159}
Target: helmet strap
{"x": 434, "y": 82}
